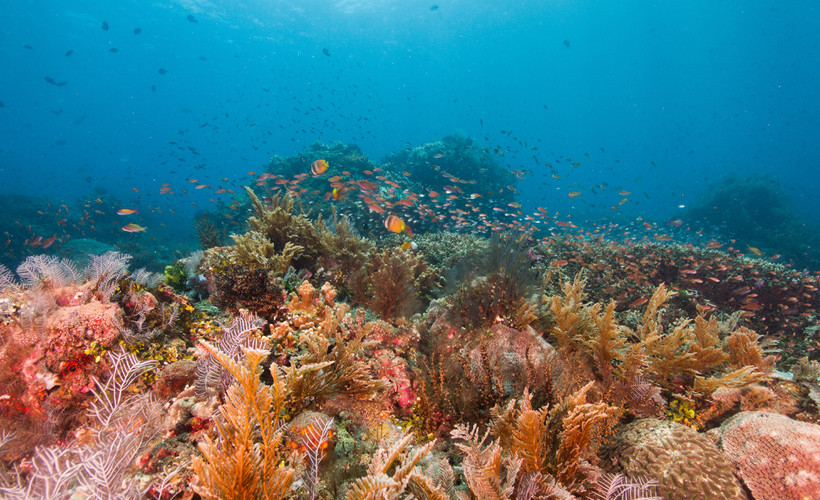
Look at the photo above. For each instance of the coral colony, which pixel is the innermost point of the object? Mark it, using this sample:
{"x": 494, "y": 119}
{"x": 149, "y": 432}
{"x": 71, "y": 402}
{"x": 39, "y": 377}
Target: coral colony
{"x": 347, "y": 332}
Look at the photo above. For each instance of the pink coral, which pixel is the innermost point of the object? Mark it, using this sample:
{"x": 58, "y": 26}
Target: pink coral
{"x": 776, "y": 457}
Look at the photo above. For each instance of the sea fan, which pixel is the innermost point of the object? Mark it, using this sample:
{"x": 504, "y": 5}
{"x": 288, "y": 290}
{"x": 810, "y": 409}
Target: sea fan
{"x": 112, "y": 395}
{"x": 315, "y": 441}
{"x": 209, "y": 373}
{"x": 46, "y": 269}
{"x": 106, "y": 271}
{"x": 147, "y": 278}
{"x": 620, "y": 487}
{"x": 7, "y": 281}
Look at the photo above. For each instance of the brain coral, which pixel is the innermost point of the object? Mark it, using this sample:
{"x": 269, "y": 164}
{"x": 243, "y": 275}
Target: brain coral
{"x": 684, "y": 463}
{"x": 776, "y": 457}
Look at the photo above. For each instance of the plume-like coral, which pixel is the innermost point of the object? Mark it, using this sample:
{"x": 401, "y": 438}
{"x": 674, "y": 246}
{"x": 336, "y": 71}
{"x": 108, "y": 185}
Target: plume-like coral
{"x": 379, "y": 484}
{"x": 245, "y": 458}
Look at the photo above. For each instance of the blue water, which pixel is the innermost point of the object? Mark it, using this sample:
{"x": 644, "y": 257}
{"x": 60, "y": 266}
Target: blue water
{"x": 660, "y": 99}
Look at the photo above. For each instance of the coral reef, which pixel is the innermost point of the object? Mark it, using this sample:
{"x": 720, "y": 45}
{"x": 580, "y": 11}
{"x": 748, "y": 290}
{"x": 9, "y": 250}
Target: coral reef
{"x": 333, "y": 364}
{"x": 277, "y": 237}
{"x": 756, "y": 211}
{"x": 684, "y": 463}
{"x": 775, "y": 456}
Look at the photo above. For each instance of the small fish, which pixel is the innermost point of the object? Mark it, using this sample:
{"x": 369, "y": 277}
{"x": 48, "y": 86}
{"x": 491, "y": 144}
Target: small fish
{"x": 663, "y": 237}
{"x": 573, "y": 194}
{"x": 50, "y": 80}
{"x": 755, "y": 250}
{"x": 625, "y": 193}
{"x": 394, "y": 224}
{"x": 104, "y": 26}
{"x": 318, "y": 167}
{"x": 137, "y": 31}
{"x": 406, "y": 245}
{"x": 326, "y": 52}
{"x": 191, "y": 18}
{"x": 639, "y": 302}
{"x": 676, "y": 222}
{"x": 133, "y": 228}
{"x": 68, "y": 53}
{"x": 126, "y": 211}
{"x": 162, "y": 71}
{"x": 47, "y": 243}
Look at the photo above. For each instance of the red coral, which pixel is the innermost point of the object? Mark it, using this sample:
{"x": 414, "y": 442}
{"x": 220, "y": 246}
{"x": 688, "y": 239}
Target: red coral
{"x": 776, "y": 457}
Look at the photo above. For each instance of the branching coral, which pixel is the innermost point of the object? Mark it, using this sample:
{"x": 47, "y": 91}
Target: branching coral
{"x": 693, "y": 358}
{"x": 246, "y": 458}
{"x": 502, "y": 294}
{"x": 488, "y": 474}
{"x": 391, "y": 283}
{"x": 345, "y": 251}
{"x": 278, "y": 238}
{"x": 378, "y": 484}
{"x": 333, "y": 362}
{"x": 556, "y": 442}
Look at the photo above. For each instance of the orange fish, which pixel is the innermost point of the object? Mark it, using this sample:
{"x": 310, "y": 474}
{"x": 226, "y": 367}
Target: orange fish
{"x": 133, "y": 228}
{"x": 318, "y": 167}
{"x": 126, "y": 211}
{"x": 47, "y": 243}
{"x": 394, "y": 224}
{"x": 375, "y": 208}
{"x": 639, "y": 302}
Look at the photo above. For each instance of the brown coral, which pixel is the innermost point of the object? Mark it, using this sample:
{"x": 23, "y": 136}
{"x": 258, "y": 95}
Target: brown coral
{"x": 390, "y": 287}
{"x": 278, "y": 238}
{"x": 686, "y": 464}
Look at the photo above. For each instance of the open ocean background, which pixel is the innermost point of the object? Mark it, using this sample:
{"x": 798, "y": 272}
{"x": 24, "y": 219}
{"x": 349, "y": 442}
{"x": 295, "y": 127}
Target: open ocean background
{"x": 662, "y": 99}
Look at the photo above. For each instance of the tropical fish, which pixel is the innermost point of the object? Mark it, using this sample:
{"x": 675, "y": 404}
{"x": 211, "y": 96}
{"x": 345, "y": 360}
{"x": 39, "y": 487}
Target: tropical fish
{"x": 318, "y": 167}
{"x": 755, "y": 250}
{"x": 47, "y": 243}
{"x": 126, "y": 211}
{"x": 133, "y": 228}
{"x": 394, "y": 224}
{"x": 573, "y": 194}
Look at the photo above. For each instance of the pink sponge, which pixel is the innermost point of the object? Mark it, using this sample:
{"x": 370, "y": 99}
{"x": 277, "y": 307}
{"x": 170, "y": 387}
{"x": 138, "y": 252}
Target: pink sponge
{"x": 776, "y": 457}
